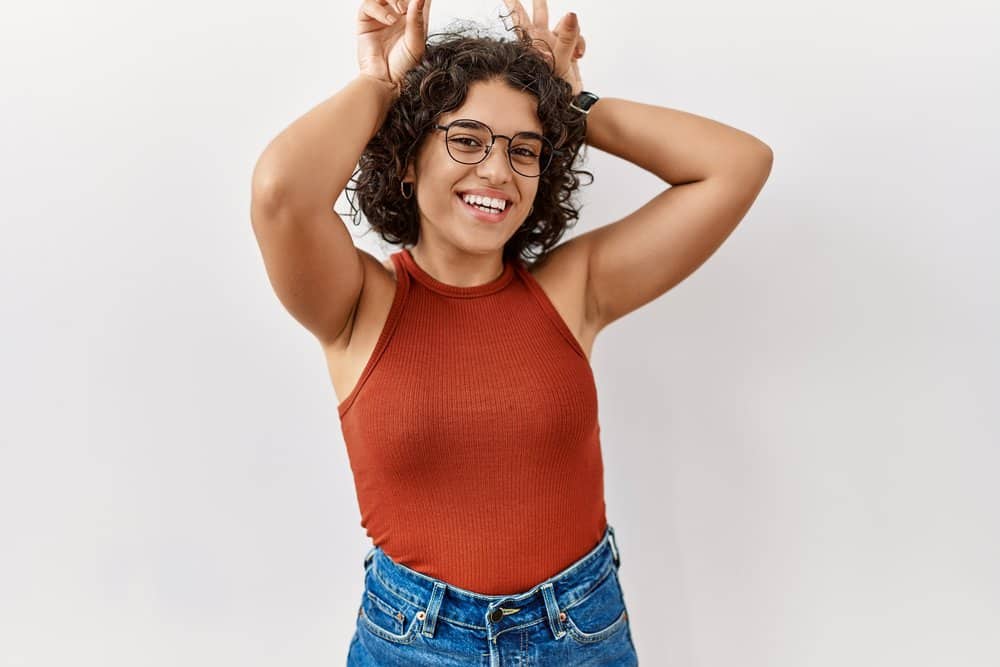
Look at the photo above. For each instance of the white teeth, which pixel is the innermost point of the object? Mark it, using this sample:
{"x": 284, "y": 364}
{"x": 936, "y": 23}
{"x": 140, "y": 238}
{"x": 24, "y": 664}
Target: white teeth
{"x": 498, "y": 204}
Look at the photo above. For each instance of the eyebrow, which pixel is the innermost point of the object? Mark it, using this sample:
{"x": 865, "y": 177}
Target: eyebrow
{"x": 458, "y": 122}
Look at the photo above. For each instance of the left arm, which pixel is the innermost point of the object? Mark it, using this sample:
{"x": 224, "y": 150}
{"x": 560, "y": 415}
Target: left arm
{"x": 715, "y": 173}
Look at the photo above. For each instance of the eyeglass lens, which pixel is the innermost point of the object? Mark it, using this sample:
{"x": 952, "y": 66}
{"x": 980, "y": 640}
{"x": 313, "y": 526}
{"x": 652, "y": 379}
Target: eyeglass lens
{"x": 467, "y": 141}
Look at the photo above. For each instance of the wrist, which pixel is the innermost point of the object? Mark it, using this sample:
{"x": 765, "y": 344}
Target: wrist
{"x": 387, "y": 89}
{"x": 583, "y": 101}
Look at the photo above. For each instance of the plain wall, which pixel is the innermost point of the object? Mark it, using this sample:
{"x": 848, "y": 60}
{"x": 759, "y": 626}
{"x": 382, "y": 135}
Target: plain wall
{"x": 800, "y": 439}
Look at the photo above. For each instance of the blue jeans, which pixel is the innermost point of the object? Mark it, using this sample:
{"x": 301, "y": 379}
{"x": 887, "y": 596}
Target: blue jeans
{"x": 577, "y": 617}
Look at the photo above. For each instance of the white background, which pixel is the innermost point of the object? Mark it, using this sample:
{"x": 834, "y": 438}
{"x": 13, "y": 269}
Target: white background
{"x": 800, "y": 440}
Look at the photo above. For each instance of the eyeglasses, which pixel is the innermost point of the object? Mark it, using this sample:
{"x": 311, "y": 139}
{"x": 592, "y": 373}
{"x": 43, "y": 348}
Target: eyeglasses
{"x": 470, "y": 142}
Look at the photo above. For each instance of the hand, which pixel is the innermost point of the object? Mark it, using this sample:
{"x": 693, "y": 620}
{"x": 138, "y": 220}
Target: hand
{"x": 391, "y": 38}
{"x": 565, "y": 40}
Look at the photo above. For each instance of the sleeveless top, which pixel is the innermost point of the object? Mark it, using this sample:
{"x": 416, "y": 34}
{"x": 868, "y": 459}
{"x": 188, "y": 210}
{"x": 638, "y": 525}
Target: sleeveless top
{"x": 472, "y": 434}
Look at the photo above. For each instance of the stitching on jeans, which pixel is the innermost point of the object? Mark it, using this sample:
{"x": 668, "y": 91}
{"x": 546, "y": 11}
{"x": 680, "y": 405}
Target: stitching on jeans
{"x": 523, "y": 625}
{"x": 408, "y": 637}
{"x": 406, "y": 599}
{"x": 600, "y": 635}
{"x": 593, "y": 589}
{"x": 460, "y": 624}
{"x": 595, "y": 552}
{"x": 392, "y": 589}
{"x": 384, "y": 606}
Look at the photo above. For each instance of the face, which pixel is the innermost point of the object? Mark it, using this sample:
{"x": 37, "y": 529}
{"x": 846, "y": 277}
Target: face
{"x": 446, "y": 221}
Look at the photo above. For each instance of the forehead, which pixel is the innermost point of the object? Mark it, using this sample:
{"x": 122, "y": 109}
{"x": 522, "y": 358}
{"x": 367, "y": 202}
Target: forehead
{"x": 505, "y": 109}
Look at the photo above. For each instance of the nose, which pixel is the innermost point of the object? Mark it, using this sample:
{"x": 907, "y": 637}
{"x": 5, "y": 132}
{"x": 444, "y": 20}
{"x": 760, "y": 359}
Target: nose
{"x": 495, "y": 165}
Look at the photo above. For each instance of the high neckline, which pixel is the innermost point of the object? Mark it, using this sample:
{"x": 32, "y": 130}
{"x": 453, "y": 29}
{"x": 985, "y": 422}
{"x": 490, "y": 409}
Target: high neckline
{"x": 432, "y": 283}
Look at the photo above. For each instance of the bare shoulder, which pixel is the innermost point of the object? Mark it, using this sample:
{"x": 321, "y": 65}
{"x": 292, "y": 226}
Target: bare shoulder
{"x": 377, "y": 291}
{"x": 563, "y": 276}
{"x": 562, "y": 259}
{"x": 347, "y": 357}
{"x": 386, "y": 265}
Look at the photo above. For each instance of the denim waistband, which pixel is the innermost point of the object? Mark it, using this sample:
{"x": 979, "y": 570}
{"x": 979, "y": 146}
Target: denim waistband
{"x": 494, "y": 613}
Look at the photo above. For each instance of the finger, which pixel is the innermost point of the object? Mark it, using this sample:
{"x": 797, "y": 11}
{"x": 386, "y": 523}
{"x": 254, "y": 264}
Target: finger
{"x": 416, "y": 28}
{"x": 378, "y": 11}
{"x": 540, "y": 13}
{"x": 566, "y": 31}
{"x": 581, "y": 46}
{"x": 391, "y": 9}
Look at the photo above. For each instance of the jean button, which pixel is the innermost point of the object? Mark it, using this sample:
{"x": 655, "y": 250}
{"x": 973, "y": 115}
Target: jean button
{"x": 495, "y": 615}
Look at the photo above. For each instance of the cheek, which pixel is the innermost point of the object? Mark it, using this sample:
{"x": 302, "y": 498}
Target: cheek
{"x": 531, "y": 198}
{"x": 441, "y": 180}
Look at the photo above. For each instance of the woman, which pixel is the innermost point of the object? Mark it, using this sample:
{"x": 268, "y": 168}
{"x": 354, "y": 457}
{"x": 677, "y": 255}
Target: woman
{"x": 467, "y": 402}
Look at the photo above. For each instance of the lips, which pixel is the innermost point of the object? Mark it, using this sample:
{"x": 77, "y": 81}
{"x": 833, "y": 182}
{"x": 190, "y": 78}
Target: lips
{"x": 483, "y": 215}
{"x": 486, "y": 192}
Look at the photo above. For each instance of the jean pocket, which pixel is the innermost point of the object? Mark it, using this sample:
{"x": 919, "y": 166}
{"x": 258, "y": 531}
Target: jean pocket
{"x": 385, "y": 615}
{"x": 599, "y": 614}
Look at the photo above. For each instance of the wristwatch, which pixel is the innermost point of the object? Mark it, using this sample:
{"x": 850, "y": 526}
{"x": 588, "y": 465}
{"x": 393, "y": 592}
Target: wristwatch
{"x": 584, "y": 101}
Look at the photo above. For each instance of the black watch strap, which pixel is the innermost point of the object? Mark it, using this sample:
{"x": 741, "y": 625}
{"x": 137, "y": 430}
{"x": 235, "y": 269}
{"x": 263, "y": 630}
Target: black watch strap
{"x": 584, "y": 101}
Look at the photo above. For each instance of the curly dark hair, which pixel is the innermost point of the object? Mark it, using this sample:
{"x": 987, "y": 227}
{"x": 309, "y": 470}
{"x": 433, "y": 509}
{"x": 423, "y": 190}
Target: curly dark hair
{"x": 452, "y": 61}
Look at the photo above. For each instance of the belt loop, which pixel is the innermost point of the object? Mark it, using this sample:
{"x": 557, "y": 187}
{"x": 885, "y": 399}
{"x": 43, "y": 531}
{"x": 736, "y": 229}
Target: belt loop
{"x": 433, "y": 606}
{"x": 552, "y": 609}
{"x": 614, "y": 547}
{"x": 368, "y": 558}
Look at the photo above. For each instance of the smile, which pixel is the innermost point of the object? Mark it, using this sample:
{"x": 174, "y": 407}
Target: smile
{"x": 483, "y": 215}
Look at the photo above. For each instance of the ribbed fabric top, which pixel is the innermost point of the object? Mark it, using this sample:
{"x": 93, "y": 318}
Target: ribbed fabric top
{"x": 473, "y": 435}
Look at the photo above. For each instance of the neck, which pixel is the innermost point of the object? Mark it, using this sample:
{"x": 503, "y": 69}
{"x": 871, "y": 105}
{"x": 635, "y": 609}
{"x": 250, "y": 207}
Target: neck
{"x": 457, "y": 268}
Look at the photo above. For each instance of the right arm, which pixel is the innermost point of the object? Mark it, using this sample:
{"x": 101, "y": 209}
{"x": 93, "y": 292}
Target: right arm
{"x": 310, "y": 257}
{"x": 309, "y": 254}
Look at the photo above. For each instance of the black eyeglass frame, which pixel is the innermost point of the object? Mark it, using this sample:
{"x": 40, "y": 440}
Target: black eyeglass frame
{"x": 552, "y": 150}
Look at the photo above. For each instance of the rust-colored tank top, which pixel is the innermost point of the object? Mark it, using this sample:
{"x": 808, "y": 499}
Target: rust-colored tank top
{"x": 473, "y": 435}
